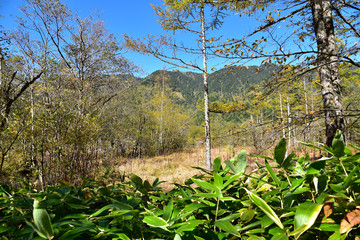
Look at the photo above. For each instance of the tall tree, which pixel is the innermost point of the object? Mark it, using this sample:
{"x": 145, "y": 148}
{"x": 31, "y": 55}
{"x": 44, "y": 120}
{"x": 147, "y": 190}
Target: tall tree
{"x": 188, "y": 16}
{"x": 328, "y": 67}
{"x": 310, "y": 44}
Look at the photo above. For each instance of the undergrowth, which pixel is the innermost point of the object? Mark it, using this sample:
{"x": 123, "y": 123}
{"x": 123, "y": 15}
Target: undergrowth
{"x": 291, "y": 198}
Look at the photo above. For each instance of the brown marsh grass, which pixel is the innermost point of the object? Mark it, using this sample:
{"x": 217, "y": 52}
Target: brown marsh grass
{"x": 176, "y": 167}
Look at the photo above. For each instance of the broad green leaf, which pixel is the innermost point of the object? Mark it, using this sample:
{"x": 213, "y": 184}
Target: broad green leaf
{"x": 231, "y": 166}
{"x": 155, "y": 221}
{"x": 204, "y": 184}
{"x": 288, "y": 161}
{"x": 241, "y": 162}
{"x": 329, "y": 227}
{"x": 347, "y": 151}
{"x": 113, "y": 205}
{"x": 247, "y": 214}
{"x": 208, "y": 195}
{"x": 135, "y": 179}
{"x": 349, "y": 179}
{"x": 231, "y": 179}
{"x": 278, "y": 234}
{"x": 42, "y": 221}
{"x": 280, "y": 151}
{"x": 272, "y": 174}
{"x": 168, "y": 209}
{"x": 193, "y": 206}
{"x": 227, "y": 227}
{"x": 122, "y": 236}
{"x": 338, "y": 144}
{"x": 217, "y": 164}
{"x": 218, "y": 180}
{"x": 36, "y": 229}
{"x": 305, "y": 217}
{"x": 265, "y": 208}
{"x": 337, "y": 236}
{"x": 315, "y": 167}
{"x": 230, "y": 217}
{"x": 354, "y": 158}
{"x": 74, "y": 233}
{"x": 189, "y": 225}
{"x": 177, "y": 237}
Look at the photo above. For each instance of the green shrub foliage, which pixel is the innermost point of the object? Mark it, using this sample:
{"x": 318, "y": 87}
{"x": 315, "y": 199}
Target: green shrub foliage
{"x": 288, "y": 197}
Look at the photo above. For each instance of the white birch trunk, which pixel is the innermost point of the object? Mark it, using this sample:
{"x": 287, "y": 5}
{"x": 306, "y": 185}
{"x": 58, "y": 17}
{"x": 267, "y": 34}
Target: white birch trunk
{"x": 206, "y": 92}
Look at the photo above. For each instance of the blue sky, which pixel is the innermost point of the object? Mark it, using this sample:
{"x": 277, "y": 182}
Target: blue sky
{"x": 132, "y": 17}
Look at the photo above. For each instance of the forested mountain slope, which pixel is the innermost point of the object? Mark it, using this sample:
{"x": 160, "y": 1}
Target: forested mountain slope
{"x": 223, "y": 84}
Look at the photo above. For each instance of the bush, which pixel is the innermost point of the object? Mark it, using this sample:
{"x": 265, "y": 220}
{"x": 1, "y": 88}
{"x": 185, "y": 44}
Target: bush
{"x": 287, "y": 198}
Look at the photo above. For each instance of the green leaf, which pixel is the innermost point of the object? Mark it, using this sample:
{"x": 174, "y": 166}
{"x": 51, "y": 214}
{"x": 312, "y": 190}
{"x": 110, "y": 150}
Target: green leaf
{"x": 272, "y": 174}
{"x": 231, "y": 166}
{"x": 217, "y": 164}
{"x": 337, "y": 236}
{"x": 218, "y": 180}
{"x": 155, "y": 221}
{"x": 288, "y": 161}
{"x": 231, "y": 179}
{"x": 349, "y": 179}
{"x": 204, "y": 184}
{"x": 347, "y": 151}
{"x": 329, "y": 227}
{"x": 353, "y": 146}
{"x": 42, "y": 221}
{"x": 121, "y": 206}
{"x": 227, "y": 227}
{"x": 208, "y": 195}
{"x": 338, "y": 144}
{"x": 122, "y": 236}
{"x": 280, "y": 151}
{"x": 230, "y": 217}
{"x": 135, "y": 179}
{"x": 354, "y": 158}
{"x": 315, "y": 167}
{"x": 189, "y": 225}
{"x": 193, "y": 206}
{"x": 278, "y": 234}
{"x": 265, "y": 208}
{"x": 241, "y": 162}
{"x": 168, "y": 209}
{"x": 305, "y": 217}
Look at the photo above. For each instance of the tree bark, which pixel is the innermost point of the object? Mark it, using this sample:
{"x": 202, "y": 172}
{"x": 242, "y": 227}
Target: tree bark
{"x": 206, "y": 92}
{"x": 328, "y": 67}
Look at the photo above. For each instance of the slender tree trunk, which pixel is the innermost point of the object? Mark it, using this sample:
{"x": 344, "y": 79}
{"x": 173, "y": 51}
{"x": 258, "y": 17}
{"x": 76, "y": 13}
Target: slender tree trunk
{"x": 206, "y": 92}
{"x": 282, "y": 117}
{"x": 289, "y": 120}
{"x": 328, "y": 67}
{"x": 307, "y": 123}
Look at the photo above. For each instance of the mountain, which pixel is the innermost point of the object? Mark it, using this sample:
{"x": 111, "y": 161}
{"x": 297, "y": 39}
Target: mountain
{"x": 223, "y": 84}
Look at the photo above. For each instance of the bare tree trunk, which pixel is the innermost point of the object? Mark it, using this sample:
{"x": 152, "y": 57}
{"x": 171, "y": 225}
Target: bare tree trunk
{"x": 206, "y": 92}
{"x": 307, "y": 123}
{"x": 289, "y": 120}
{"x": 328, "y": 67}
{"x": 282, "y": 117}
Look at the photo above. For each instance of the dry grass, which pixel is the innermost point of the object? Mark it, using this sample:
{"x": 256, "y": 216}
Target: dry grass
{"x": 175, "y": 167}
